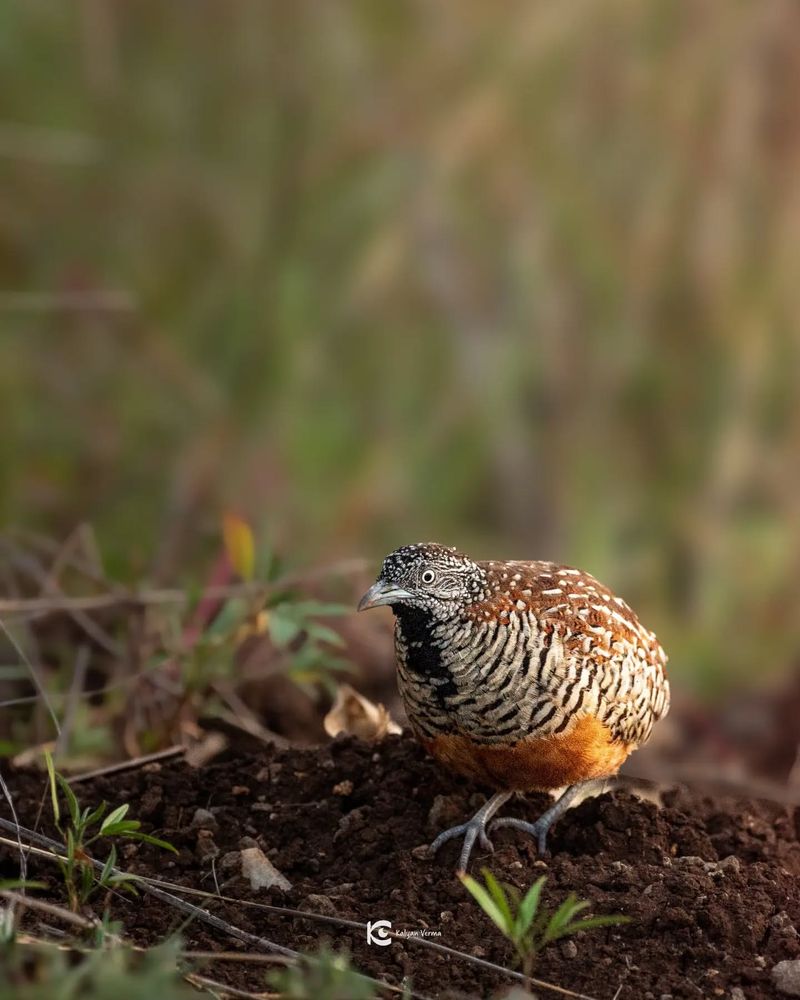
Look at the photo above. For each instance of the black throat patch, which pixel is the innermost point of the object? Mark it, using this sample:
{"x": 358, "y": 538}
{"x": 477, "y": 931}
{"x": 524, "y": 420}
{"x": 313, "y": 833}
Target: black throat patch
{"x": 423, "y": 656}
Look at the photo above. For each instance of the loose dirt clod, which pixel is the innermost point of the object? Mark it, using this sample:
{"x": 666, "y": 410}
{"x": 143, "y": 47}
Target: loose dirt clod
{"x": 712, "y": 885}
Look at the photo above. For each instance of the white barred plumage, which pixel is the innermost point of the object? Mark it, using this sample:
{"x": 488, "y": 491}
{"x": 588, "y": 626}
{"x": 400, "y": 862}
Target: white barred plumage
{"x": 526, "y": 675}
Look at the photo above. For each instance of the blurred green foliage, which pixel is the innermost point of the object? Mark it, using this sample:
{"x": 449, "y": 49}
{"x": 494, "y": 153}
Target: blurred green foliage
{"x": 103, "y": 974}
{"x": 323, "y": 976}
{"x": 522, "y": 280}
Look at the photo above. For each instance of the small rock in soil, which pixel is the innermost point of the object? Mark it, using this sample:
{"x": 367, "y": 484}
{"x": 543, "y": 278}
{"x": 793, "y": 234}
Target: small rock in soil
{"x": 319, "y": 904}
{"x": 206, "y": 846}
{"x": 569, "y": 949}
{"x": 205, "y": 819}
{"x": 230, "y": 861}
{"x": 260, "y": 871}
{"x": 151, "y": 800}
{"x": 444, "y": 812}
{"x": 786, "y": 976}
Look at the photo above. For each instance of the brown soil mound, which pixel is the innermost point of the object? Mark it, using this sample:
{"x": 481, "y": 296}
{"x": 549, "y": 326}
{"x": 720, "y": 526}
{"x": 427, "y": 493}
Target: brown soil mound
{"x": 712, "y": 885}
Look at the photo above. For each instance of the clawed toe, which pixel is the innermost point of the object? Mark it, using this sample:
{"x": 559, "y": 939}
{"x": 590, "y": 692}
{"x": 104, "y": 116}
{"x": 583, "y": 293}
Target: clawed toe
{"x": 537, "y": 830}
{"x": 472, "y": 831}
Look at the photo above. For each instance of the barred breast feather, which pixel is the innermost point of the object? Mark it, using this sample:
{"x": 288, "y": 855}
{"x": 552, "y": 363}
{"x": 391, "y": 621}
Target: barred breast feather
{"x": 547, "y": 658}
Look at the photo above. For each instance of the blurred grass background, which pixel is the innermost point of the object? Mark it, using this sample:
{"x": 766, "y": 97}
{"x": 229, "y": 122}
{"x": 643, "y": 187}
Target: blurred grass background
{"x": 519, "y": 277}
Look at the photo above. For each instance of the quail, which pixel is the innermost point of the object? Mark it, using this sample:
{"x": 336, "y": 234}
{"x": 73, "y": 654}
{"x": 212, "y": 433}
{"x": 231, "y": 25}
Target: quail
{"x": 525, "y": 676}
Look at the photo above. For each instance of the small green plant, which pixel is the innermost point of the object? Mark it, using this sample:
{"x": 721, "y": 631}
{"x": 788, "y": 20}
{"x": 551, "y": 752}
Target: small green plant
{"x": 84, "y": 828}
{"x": 526, "y": 924}
{"x": 324, "y": 976}
{"x": 309, "y": 649}
{"x": 112, "y": 973}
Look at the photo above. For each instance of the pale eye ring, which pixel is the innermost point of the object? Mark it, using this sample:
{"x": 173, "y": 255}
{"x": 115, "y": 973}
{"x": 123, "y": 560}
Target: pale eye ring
{"x": 428, "y": 576}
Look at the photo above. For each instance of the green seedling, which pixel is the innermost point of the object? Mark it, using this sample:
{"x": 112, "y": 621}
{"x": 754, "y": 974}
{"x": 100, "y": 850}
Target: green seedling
{"x": 84, "y": 828}
{"x": 526, "y": 924}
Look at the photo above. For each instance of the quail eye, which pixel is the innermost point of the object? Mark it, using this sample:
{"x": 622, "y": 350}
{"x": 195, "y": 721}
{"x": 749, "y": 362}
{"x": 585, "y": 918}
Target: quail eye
{"x": 428, "y": 576}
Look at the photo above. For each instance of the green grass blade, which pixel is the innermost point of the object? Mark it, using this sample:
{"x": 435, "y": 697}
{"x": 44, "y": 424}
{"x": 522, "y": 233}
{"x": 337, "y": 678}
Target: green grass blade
{"x": 562, "y": 917}
{"x": 486, "y": 903}
{"x": 591, "y": 923}
{"x": 72, "y": 802}
{"x": 12, "y": 884}
{"x": 70, "y": 846}
{"x": 148, "y": 839}
{"x": 125, "y": 828}
{"x": 114, "y": 817}
{"x": 51, "y": 777}
{"x": 95, "y": 815}
{"x": 111, "y": 861}
{"x": 499, "y": 896}
{"x": 529, "y": 906}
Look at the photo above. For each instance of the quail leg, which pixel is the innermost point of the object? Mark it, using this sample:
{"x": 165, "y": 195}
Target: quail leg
{"x": 474, "y": 829}
{"x": 540, "y": 828}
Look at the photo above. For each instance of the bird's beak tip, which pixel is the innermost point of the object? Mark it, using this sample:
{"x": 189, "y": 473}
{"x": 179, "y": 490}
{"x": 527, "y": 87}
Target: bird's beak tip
{"x": 381, "y": 594}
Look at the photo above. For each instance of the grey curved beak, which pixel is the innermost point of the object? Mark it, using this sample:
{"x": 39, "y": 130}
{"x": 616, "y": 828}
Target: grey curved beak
{"x": 381, "y": 593}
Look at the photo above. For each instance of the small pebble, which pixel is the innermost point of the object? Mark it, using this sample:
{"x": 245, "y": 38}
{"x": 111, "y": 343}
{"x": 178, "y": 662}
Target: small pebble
{"x": 205, "y": 819}
{"x": 444, "y": 811}
{"x": 230, "y": 861}
{"x": 783, "y": 923}
{"x": 786, "y": 977}
{"x": 318, "y": 903}
{"x": 260, "y": 871}
{"x": 343, "y": 788}
{"x": 568, "y": 949}
{"x": 206, "y": 847}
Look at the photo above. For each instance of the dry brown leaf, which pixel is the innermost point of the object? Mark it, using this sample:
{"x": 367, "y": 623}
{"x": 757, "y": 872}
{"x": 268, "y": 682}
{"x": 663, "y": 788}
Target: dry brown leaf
{"x": 356, "y": 715}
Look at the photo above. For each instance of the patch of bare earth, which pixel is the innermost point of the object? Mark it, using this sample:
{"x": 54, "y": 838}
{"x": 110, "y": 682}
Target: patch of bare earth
{"x": 712, "y": 885}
